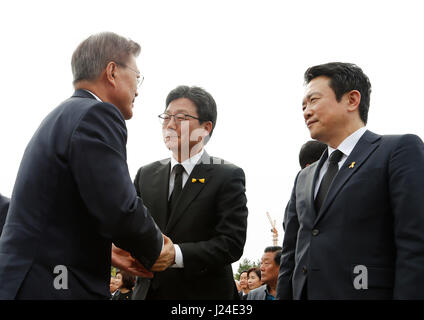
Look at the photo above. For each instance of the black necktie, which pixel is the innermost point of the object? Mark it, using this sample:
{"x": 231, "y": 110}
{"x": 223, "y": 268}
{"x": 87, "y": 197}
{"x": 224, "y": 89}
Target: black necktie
{"x": 178, "y": 187}
{"x": 333, "y": 168}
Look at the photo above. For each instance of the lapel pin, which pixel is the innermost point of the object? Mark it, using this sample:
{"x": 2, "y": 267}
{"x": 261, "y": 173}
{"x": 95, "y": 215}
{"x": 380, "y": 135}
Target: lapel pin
{"x": 193, "y": 180}
{"x": 202, "y": 180}
{"x": 352, "y": 165}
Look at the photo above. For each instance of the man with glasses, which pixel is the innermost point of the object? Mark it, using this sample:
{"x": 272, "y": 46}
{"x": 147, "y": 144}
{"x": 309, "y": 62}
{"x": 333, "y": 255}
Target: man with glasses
{"x": 196, "y": 200}
{"x": 73, "y": 194}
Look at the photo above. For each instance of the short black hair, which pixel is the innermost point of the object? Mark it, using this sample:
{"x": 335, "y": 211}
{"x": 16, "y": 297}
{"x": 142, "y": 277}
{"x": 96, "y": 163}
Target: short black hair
{"x": 203, "y": 100}
{"x": 277, "y": 250}
{"x": 310, "y": 152}
{"x": 344, "y": 77}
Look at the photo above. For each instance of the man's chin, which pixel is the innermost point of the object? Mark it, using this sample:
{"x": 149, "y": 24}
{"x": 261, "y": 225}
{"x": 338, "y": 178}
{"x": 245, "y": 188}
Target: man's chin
{"x": 171, "y": 146}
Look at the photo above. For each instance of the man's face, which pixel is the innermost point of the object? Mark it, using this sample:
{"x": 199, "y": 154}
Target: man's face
{"x": 126, "y": 90}
{"x": 243, "y": 280}
{"x": 324, "y": 116}
{"x": 113, "y": 286}
{"x": 269, "y": 269}
{"x": 181, "y": 137}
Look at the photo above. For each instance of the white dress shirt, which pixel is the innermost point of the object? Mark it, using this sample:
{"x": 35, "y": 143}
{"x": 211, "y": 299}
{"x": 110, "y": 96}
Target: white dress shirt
{"x": 188, "y": 168}
{"x": 346, "y": 148}
{"x": 97, "y": 98}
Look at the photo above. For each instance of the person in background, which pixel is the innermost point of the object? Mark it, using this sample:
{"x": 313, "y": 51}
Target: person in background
{"x": 254, "y": 278}
{"x": 114, "y": 285}
{"x": 310, "y": 152}
{"x": 244, "y": 288}
{"x": 270, "y": 265}
{"x": 127, "y": 281}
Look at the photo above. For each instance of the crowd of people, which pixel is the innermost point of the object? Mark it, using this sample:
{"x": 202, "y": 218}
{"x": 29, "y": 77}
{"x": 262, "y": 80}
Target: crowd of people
{"x": 355, "y": 215}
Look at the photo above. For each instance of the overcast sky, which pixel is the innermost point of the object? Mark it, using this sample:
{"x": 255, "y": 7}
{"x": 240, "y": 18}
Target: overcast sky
{"x": 250, "y": 55}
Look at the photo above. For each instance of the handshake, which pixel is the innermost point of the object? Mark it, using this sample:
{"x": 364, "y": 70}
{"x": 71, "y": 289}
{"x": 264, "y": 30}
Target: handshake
{"x": 124, "y": 261}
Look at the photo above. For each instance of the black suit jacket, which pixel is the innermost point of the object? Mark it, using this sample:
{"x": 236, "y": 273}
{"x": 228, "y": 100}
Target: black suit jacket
{"x": 373, "y": 216}
{"x": 209, "y": 224}
{"x": 72, "y": 198}
{"x": 4, "y": 207}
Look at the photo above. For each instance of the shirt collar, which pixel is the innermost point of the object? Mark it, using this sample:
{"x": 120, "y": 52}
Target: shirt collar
{"x": 189, "y": 163}
{"x": 349, "y": 143}
{"x": 96, "y": 97}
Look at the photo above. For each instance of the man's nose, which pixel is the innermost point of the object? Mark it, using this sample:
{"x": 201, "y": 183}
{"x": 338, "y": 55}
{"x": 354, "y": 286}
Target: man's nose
{"x": 307, "y": 113}
{"x": 171, "y": 123}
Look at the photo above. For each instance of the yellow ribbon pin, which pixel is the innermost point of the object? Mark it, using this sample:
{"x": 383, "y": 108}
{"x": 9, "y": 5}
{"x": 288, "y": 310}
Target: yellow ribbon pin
{"x": 352, "y": 165}
{"x": 202, "y": 180}
{"x": 194, "y": 180}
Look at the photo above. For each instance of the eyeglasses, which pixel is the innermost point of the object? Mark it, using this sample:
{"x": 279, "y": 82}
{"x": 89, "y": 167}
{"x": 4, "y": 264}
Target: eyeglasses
{"x": 140, "y": 77}
{"x": 166, "y": 117}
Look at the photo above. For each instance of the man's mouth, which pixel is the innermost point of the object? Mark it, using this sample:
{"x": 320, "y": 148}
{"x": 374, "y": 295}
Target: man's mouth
{"x": 310, "y": 122}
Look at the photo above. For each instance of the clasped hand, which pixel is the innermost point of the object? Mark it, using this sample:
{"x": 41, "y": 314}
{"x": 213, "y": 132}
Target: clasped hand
{"x": 124, "y": 261}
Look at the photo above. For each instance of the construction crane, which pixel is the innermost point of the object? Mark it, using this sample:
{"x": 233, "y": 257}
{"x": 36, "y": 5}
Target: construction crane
{"x": 273, "y": 230}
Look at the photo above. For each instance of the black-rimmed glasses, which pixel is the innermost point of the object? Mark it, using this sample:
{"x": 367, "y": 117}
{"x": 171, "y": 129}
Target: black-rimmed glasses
{"x": 166, "y": 117}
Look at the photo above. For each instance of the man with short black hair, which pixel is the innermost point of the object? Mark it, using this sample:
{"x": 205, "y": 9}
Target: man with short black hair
{"x": 354, "y": 225}
{"x": 197, "y": 200}
{"x": 310, "y": 152}
{"x": 270, "y": 265}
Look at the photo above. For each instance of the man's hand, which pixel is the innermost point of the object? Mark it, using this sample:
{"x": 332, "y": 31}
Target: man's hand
{"x": 124, "y": 261}
{"x": 166, "y": 257}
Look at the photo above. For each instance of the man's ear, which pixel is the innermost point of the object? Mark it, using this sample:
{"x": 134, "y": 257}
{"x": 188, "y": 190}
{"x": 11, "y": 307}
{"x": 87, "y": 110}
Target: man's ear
{"x": 110, "y": 73}
{"x": 208, "y": 126}
{"x": 353, "y": 98}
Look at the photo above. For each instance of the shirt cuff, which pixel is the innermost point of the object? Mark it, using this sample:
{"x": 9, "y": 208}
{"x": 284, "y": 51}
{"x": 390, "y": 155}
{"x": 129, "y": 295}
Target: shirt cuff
{"x": 178, "y": 257}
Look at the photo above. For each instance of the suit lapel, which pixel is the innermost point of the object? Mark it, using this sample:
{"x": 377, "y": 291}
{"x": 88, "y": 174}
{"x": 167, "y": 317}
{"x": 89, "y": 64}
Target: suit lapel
{"x": 190, "y": 191}
{"x": 159, "y": 188}
{"x": 360, "y": 153}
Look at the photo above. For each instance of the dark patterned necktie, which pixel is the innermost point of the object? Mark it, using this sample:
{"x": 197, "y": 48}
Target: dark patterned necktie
{"x": 333, "y": 168}
{"x": 178, "y": 187}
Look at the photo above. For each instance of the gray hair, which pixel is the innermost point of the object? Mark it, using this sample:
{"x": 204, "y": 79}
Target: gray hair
{"x": 93, "y": 54}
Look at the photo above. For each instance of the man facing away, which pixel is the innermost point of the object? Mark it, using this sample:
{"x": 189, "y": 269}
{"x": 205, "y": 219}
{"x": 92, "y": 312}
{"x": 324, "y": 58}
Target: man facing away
{"x": 197, "y": 200}
{"x": 354, "y": 225}
{"x": 73, "y": 195}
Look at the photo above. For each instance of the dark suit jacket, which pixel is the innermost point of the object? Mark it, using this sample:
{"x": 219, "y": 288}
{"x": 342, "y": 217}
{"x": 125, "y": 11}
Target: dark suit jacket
{"x": 209, "y": 224}
{"x": 4, "y": 207}
{"x": 373, "y": 216}
{"x": 72, "y": 198}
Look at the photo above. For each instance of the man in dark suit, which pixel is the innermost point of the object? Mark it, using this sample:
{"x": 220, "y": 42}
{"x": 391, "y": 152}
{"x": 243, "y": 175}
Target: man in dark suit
{"x": 73, "y": 194}
{"x": 4, "y": 207}
{"x": 202, "y": 207}
{"x": 354, "y": 226}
